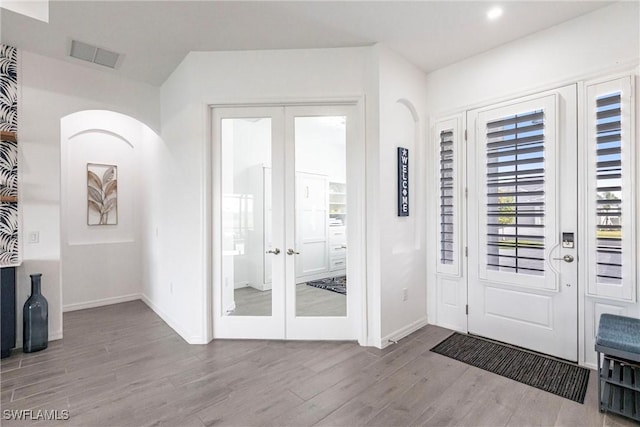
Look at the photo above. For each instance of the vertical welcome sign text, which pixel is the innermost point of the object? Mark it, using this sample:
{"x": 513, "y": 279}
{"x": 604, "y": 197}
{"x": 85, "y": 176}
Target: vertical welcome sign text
{"x": 403, "y": 181}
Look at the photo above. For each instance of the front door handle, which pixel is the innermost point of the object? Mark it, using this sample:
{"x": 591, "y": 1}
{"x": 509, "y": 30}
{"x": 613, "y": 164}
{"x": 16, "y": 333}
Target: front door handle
{"x": 292, "y": 252}
{"x": 275, "y": 251}
{"x": 566, "y": 258}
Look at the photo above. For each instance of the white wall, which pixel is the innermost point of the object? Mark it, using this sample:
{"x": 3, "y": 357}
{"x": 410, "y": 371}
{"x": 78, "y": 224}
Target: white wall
{"x": 402, "y": 239}
{"x": 48, "y": 91}
{"x": 605, "y": 38}
{"x": 599, "y": 43}
{"x": 179, "y": 253}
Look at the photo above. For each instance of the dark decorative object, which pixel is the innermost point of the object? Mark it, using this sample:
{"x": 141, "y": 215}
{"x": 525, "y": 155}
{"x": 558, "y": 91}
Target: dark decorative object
{"x": 334, "y": 284}
{"x": 36, "y": 319}
{"x": 533, "y": 369}
{"x": 403, "y": 181}
{"x": 8, "y": 310}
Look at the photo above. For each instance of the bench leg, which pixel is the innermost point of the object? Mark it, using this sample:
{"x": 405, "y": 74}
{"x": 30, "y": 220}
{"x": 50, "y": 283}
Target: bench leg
{"x": 599, "y": 384}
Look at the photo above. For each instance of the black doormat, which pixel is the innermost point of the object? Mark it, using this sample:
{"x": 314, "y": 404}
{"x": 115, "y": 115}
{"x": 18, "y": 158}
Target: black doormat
{"x": 548, "y": 374}
{"x": 334, "y": 284}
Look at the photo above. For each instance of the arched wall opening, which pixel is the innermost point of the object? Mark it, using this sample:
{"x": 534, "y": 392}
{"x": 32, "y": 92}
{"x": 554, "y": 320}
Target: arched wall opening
{"x": 102, "y": 203}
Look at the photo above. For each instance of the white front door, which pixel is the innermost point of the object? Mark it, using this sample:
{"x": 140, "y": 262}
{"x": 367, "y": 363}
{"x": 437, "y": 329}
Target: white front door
{"x": 522, "y": 222}
{"x": 280, "y": 246}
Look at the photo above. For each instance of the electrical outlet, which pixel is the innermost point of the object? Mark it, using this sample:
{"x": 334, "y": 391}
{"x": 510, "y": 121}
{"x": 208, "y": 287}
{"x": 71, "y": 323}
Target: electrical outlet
{"x": 34, "y": 237}
{"x": 405, "y": 294}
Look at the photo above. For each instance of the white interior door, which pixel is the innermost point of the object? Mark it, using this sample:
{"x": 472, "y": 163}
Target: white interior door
{"x": 522, "y": 219}
{"x": 248, "y": 223}
{"x": 281, "y": 239}
{"x": 319, "y": 235}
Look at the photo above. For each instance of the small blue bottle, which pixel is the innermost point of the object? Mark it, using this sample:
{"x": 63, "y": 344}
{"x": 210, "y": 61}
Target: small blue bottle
{"x": 35, "y": 315}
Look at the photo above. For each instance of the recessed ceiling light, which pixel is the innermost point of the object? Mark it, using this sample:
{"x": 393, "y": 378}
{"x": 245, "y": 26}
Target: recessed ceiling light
{"x": 494, "y": 13}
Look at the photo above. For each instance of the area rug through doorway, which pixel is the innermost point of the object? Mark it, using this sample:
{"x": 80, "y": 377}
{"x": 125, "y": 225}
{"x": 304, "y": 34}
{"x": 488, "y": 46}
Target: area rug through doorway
{"x": 334, "y": 284}
{"x": 533, "y": 369}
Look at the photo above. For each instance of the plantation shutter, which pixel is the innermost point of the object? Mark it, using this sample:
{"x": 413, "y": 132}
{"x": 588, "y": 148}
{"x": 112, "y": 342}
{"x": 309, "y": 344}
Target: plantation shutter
{"x": 447, "y": 182}
{"x": 447, "y": 135}
{"x": 608, "y": 189}
{"x": 610, "y": 199}
{"x": 515, "y": 178}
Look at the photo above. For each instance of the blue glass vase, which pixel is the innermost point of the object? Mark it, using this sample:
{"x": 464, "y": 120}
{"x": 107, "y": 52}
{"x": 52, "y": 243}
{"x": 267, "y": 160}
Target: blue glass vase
{"x": 35, "y": 315}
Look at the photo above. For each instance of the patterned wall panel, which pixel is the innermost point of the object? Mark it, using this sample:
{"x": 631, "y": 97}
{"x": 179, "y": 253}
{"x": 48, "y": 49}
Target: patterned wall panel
{"x": 8, "y": 156}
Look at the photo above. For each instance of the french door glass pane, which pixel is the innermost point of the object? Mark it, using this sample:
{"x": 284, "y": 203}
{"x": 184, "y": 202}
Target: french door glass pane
{"x": 246, "y": 217}
{"x": 320, "y": 216}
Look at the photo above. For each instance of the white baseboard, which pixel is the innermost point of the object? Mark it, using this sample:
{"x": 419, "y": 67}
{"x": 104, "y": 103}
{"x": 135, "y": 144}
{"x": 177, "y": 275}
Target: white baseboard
{"x": 172, "y": 323}
{"x": 100, "y": 302}
{"x": 403, "y": 332}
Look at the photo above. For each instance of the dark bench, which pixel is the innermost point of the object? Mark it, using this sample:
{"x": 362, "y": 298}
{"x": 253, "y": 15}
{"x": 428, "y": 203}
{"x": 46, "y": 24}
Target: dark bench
{"x": 618, "y": 340}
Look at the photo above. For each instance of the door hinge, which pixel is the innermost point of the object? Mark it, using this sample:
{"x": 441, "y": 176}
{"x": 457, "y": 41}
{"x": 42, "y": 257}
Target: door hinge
{"x": 466, "y": 309}
{"x": 465, "y": 134}
{"x": 466, "y": 192}
{"x": 466, "y": 251}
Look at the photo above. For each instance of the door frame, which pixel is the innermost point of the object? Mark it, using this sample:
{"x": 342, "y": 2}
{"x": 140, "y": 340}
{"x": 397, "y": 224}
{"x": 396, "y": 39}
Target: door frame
{"x": 356, "y": 169}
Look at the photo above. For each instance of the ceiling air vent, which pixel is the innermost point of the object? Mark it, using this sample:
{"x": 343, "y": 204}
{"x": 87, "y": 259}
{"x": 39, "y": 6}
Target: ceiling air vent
{"x": 94, "y": 54}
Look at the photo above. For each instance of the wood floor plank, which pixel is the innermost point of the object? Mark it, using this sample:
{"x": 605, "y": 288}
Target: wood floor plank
{"x": 9, "y": 364}
{"x": 121, "y": 410}
{"x": 333, "y": 375}
{"x": 363, "y": 408}
{"x": 456, "y": 401}
{"x": 528, "y": 413}
{"x": 406, "y": 407}
{"x": 321, "y": 405}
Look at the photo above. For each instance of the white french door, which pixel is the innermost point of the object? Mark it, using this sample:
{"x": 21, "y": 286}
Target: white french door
{"x": 282, "y": 190}
{"x": 522, "y": 222}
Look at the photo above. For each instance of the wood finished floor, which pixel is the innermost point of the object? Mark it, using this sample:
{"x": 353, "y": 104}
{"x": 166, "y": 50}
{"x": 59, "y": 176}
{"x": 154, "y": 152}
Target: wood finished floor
{"x": 122, "y": 366}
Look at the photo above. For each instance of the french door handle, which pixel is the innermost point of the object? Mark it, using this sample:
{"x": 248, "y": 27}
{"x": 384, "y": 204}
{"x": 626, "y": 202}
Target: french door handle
{"x": 275, "y": 251}
{"x": 566, "y": 258}
{"x": 292, "y": 252}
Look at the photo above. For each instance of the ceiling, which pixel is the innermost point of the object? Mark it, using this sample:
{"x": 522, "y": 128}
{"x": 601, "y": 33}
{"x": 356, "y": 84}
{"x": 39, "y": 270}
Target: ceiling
{"x": 154, "y": 36}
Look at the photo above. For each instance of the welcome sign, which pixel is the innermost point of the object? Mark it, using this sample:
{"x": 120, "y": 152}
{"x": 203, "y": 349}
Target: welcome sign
{"x": 403, "y": 181}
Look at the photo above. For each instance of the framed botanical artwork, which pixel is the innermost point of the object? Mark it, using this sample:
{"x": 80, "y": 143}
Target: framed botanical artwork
{"x": 102, "y": 194}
